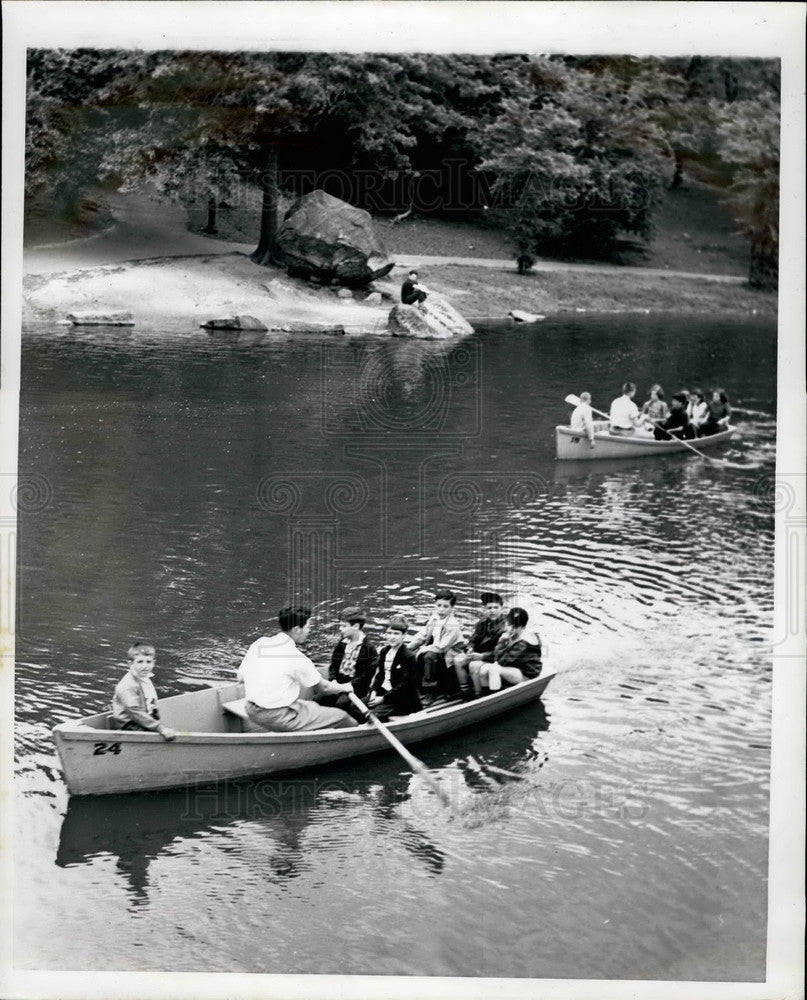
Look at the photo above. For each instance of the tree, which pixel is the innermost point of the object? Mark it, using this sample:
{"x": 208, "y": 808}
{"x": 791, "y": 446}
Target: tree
{"x": 574, "y": 158}
{"x": 195, "y": 121}
{"x": 749, "y": 134}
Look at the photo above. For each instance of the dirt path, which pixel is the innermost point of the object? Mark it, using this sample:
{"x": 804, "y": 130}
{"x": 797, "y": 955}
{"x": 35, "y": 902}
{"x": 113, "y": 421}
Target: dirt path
{"x": 146, "y": 229}
{"x": 143, "y": 230}
{"x": 422, "y": 261}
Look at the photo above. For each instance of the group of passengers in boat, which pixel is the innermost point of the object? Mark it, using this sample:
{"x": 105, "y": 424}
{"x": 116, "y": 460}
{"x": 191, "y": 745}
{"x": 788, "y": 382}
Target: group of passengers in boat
{"x": 688, "y": 416}
{"x": 285, "y": 692}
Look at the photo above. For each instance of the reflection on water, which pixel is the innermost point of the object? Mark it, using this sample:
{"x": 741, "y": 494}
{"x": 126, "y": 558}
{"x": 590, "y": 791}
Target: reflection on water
{"x": 136, "y": 829}
{"x": 197, "y": 483}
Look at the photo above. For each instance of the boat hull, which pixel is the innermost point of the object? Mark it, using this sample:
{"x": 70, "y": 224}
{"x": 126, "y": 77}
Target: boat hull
{"x": 100, "y": 761}
{"x": 572, "y": 446}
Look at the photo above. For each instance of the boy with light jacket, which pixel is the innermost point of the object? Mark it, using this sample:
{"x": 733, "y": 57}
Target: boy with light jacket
{"x": 435, "y": 644}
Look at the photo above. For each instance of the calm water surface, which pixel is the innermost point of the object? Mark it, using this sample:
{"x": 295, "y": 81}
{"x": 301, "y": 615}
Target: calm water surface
{"x": 182, "y": 487}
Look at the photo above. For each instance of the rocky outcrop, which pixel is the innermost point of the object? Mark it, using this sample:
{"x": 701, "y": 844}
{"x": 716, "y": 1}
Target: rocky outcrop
{"x": 101, "y": 319}
{"x": 234, "y": 323}
{"x": 433, "y": 319}
{"x": 330, "y": 239}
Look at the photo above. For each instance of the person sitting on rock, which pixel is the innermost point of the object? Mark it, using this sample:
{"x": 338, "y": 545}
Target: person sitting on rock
{"x": 412, "y": 294}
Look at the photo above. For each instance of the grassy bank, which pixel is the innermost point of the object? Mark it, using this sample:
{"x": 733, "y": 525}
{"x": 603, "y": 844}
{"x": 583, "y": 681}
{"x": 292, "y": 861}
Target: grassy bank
{"x": 477, "y": 292}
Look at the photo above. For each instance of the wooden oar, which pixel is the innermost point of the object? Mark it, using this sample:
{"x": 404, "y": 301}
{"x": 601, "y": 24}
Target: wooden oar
{"x": 573, "y": 400}
{"x": 416, "y": 765}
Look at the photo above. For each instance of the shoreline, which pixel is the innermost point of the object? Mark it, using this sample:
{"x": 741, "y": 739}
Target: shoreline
{"x": 196, "y": 287}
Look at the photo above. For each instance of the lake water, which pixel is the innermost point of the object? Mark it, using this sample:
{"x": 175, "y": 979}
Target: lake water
{"x": 182, "y": 487}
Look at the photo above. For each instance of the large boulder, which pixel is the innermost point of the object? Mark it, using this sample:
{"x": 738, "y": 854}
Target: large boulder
{"x": 100, "y": 319}
{"x": 242, "y": 322}
{"x": 326, "y": 237}
{"x": 433, "y": 319}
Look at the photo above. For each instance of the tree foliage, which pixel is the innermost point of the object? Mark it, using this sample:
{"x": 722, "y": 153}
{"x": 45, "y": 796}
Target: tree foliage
{"x": 575, "y": 157}
{"x": 576, "y": 149}
{"x": 749, "y": 134}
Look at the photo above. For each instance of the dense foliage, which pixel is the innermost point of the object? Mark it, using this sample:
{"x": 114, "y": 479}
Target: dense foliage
{"x": 575, "y": 151}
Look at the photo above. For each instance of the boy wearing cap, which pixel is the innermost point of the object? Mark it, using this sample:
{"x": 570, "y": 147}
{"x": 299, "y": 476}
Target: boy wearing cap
{"x": 517, "y": 656}
{"x": 353, "y": 660}
{"x": 677, "y": 423}
{"x": 393, "y": 688}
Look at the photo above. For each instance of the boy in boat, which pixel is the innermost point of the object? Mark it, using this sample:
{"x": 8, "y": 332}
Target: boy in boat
{"x": 517, "y": 656}
{"x": 134, "y": 703}
{"x": 487, "y": 632}
{"x": 718, "y": 414}
{"x": 353, "y": 661}
{"x": 624, "y": 414}
{"x": 275, "y": 672}
{"x": 582, "y": 420}
{"x": 393, "y": 687}
{"x": 677, "y": 423}
{"x": 435, "y": 644}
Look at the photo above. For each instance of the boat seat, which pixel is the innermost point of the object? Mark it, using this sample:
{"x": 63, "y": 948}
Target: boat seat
{"x": 238, "y": 707}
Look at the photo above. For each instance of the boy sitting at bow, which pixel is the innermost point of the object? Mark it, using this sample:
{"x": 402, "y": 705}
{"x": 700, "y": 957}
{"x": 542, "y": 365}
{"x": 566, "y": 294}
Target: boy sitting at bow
{"x": 134, "y": 703}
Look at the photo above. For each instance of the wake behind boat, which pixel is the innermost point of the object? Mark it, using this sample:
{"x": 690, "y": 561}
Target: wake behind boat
{"x": 216, "y": 742}
{"x": 571, "y": 445}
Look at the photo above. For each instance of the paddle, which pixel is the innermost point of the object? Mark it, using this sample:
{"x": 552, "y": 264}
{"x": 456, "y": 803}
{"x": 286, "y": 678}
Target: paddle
{"x": 573, "y": 400}
{"x": 416, "y": 765}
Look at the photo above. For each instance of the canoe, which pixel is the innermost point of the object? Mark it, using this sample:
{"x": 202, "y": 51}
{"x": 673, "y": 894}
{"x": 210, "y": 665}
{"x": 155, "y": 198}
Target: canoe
{"x": 573, "y": 446}
{"x": 216, "y": 742}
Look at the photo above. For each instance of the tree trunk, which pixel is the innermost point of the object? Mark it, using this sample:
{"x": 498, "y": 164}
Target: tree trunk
{"x": 763, "y": 272}
{"x": 210, "y": 228}
{"x": 262, "y": 254}
{"x": 678, "y": 173}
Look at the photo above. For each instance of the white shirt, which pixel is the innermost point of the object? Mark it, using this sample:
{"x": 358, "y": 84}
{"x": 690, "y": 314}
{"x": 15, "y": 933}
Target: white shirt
{"x": 274, "y": 671}
{"x": 623, "y": 413}
{"x": 386, "y": 682}
{"x": 581, "y": 420}
{"x": 698, "y": 412}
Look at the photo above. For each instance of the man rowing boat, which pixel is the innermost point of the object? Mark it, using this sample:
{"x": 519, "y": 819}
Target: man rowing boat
{"x": 275, "y": 672}
{"x": 624, "y": 415}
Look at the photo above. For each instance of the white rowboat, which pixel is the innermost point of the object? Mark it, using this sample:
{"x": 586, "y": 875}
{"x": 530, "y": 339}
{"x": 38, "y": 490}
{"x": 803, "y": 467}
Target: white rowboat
{"x": 573, "y": 446}
{"x": 216, "y": 742}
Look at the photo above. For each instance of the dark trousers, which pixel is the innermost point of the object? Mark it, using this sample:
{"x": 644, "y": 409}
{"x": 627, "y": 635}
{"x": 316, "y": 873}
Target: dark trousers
{"x": 683, "y": 435}
{"x": 340, "y": 701}
{"x": 417, "y": 296}
{"x": 433, "y": 672}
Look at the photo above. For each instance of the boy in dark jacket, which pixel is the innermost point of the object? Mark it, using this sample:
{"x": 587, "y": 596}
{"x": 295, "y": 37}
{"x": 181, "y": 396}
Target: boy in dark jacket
{"x": 517, "y": 656}
{"x": 393, "y": 687}
{"x": 487, "y": 632}
{"x": 353, "y": 660}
